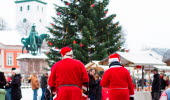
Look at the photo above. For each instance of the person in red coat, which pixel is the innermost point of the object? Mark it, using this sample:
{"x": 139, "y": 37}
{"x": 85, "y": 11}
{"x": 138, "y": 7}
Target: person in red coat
{"x": 118, "y": 81}
{"x": 67, "y": 76}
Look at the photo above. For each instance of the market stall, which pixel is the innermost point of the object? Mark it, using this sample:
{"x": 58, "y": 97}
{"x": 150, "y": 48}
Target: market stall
{"x": 142, "y": 60}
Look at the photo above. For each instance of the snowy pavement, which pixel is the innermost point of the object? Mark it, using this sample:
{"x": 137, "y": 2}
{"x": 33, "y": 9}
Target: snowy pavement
{"x": 27, "y": 94}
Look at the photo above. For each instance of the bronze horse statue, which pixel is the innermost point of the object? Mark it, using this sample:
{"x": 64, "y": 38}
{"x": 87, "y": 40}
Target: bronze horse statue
{"x": 35, "y": 45}
{"x": 34, "y": 42}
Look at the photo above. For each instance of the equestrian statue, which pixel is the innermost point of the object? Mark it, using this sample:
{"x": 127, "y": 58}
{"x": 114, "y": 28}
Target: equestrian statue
{"x": 34, "y": 42}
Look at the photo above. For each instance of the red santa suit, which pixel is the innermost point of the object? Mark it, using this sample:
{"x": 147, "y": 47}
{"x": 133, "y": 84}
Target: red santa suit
{"x": 118, "y": 81}
{"x": 67, "y": 77}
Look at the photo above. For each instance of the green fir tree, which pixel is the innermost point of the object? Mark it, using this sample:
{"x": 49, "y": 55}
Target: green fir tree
{"x": 83, "y": 26}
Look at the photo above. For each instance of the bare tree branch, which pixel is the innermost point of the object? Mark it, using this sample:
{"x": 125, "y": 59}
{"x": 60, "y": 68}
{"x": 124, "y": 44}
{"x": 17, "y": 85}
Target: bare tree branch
{"x": 24, "y": 28}
{"x": 3, "y": 24}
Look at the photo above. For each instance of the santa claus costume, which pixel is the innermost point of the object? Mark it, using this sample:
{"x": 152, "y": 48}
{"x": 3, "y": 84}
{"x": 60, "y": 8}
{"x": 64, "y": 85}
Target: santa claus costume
{"x": 118, "y": 81}
{"x": 67, "y": 76}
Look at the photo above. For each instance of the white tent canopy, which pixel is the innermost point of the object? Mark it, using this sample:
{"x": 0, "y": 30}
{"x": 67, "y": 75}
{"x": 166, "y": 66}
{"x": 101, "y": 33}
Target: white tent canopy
{"x": 163, "y": 67}
{"x": 139, "y": 59}
{"x": 160, "y": 68}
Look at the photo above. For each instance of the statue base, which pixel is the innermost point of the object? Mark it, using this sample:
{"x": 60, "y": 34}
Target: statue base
{"x": 30, "y": 64}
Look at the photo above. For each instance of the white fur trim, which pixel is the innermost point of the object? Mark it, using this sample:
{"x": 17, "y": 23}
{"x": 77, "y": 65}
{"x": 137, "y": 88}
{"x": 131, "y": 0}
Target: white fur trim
{"x": 69, "y": 53}
{"x": 64, "y": 57}
{"x": 84, "y": 88}
{"x": 55, "y": 97}
{"x": 113, "y": 59}
{"x": 84, "y": 95}
{"x": 131, "y": 95}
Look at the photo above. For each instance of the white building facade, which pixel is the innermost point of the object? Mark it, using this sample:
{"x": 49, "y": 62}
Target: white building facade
{"x": 31, "y": 12}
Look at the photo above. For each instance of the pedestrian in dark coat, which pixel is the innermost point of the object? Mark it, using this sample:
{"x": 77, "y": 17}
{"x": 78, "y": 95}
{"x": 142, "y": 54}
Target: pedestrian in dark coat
{"x": 2, "y": 80}
{"x": 16, "y": 86}
{"x": 43, "y": 83}
{"x": 98, "y": 95}
{"x": 163, "y": 82}
{"x": 156, "y": 85}
{"x": 92, "y": 84}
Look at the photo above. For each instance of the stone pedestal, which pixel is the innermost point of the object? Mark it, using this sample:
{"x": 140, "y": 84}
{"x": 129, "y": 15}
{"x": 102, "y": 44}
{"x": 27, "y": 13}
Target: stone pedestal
{"x": 30, "y": 64}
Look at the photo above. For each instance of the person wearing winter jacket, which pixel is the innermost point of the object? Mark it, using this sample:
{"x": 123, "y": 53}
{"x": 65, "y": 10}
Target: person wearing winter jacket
{"x": 92, "y": 84}
{"x": 163, "y": 82}
{"x": 156, "y": 85}
{"x": 8, "y": 87}
{"x": 34, "y": 85}
{"x": 16, "y": 86}
{"x": 43, "y": 84}
{"x": 2, "y": 80}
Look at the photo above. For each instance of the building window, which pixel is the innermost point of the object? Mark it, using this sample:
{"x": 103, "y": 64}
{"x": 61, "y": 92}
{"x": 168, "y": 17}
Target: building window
{"x": 21, "y": 8}
{"x": 9, "y": 59}
{"x": 28, "y": 7}
{"x": 24, "y": 20}
{"x": 18, "y": 63}
{"x": 37, "y": 7}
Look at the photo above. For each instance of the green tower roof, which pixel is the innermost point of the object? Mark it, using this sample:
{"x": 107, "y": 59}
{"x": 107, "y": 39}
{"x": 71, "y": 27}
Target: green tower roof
{"x": 23, "y": 1}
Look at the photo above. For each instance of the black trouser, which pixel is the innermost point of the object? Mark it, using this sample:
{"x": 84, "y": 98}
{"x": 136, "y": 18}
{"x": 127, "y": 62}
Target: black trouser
{"x": 155, "y": 95}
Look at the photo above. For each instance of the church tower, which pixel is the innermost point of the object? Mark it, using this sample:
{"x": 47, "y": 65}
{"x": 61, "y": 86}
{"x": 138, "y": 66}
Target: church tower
{"x": 31, "y": 12}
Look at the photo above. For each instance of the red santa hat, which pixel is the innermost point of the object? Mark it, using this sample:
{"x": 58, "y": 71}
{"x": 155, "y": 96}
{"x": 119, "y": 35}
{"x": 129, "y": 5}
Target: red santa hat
{"x": 66, "y": 52}
{"x": 114, "y": 57}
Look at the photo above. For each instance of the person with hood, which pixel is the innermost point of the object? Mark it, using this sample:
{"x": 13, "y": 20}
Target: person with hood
{"x": 67, "y": 76}
{"x": 2, "y": 80}
{"x": 118, "y": 81}
{"x": 43, "y": 83}
{"x": 16, "y": 85}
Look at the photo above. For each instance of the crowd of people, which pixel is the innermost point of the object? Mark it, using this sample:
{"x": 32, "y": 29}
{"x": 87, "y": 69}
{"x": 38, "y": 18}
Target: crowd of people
{"x": 69, "y": 80}
{"x": 12, "y": 85}
{"x": 69, "y": 75}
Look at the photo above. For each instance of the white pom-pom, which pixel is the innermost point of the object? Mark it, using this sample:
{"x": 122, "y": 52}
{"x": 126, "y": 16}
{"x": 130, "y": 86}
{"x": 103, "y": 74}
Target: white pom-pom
{"x": 77, "y": 3}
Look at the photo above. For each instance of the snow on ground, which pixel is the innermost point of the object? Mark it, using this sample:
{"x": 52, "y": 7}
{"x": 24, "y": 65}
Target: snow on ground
{"x": 27, "y": 94}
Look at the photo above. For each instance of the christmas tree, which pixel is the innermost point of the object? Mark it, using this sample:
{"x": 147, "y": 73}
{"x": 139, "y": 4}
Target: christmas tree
{"x": 83, "y": 25}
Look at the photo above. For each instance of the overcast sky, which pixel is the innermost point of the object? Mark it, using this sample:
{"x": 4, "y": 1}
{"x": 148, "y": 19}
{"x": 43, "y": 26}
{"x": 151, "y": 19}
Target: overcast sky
{"x": 146, "y": 22}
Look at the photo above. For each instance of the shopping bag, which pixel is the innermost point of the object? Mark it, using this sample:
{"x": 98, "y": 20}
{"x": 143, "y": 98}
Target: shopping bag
{"x": 164, "y": 96}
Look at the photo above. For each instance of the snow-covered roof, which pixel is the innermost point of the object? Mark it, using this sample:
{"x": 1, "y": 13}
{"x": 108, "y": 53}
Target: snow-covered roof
{"x": 153, "y": 54}
{"x": 28, "y": 55}
{"x": 10, "y": 38}
{"x": 140, "y": 58}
